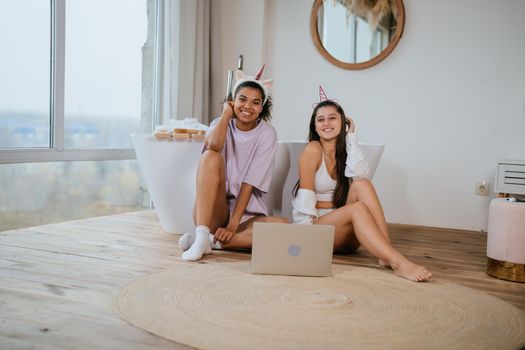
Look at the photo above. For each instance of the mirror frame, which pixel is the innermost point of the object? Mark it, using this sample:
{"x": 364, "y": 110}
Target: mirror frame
{"x": 361, "y": 65}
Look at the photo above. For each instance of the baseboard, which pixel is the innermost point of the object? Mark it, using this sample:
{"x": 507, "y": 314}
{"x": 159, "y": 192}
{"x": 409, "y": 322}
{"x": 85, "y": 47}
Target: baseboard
{"x": 407, "y": 227}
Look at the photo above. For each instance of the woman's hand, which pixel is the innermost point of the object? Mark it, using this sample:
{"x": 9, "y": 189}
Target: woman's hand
{"x": 224, "y": 234}
{"x": 227, "y": 109}
{"x": 351, "y": 125}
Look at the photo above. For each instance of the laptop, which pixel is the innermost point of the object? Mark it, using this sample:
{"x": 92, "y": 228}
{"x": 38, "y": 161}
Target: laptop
{"x": 292, "y": 249}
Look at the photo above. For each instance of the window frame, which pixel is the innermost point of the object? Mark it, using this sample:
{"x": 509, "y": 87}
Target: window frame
{"x": 56, "y": 150}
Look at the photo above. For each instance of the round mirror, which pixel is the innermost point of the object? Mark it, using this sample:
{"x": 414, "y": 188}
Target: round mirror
{"x": 356, "y": 34}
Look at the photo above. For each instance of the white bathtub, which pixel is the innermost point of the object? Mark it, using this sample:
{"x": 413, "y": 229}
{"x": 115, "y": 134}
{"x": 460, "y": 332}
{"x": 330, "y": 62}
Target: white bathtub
{"x": 169, "y": 168}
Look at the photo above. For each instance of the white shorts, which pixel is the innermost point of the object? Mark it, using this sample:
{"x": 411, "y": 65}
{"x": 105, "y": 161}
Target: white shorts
{"x": 321, "y": 212}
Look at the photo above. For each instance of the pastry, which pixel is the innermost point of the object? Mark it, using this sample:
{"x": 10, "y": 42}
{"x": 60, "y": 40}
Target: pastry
{"x": 162, "y": 135}
{"x": 198, "y": 136}
{"x": 181, "y": 135}
{"x": 193, "y": 131}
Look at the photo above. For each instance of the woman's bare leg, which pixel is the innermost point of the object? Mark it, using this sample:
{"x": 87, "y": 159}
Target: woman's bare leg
{"x": 363, "y": 190}
{"x": 210, "y": 210}
{"x": 244, "y": 237}
{"x": 357, "y": 217}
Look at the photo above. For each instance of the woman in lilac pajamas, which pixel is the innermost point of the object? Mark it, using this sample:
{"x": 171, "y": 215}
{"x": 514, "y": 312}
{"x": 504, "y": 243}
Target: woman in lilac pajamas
{"x": 234, "y": 173}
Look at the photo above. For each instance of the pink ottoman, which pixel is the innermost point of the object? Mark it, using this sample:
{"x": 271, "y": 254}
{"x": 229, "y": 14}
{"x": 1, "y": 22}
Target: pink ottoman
{"x": 506, "y": 240}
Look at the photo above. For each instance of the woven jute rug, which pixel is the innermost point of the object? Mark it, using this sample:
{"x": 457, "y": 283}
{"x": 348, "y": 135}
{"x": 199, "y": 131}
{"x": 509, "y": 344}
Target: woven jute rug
{"x": 222, "y": 306}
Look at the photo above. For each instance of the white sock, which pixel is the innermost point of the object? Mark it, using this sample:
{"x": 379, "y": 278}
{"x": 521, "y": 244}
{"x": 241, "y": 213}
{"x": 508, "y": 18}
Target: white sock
{"x": 216, "y": 245}
{"x": 201, "y": 245}
{"x": 186, "y": 241}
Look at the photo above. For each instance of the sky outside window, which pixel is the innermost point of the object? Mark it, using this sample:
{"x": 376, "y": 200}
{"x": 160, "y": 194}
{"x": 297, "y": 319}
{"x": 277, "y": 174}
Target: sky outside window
{"x": 103, "y": 87}
{"x": 25, "y": 35}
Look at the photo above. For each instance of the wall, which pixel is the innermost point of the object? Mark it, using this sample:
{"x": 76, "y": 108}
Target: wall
{"x": 448, "y": 103}
{"x": 237, "y": 27}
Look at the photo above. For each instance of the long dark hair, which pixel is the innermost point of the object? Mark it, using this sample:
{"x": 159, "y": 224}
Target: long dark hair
{"x": 343, "y": 183}
{"x": 266, "y": 112}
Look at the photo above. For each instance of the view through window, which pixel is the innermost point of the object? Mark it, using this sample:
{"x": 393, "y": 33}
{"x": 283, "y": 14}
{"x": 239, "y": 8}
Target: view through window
{"x": 103, "y": 84}
{"x": 38, "y": 193}
{"x": 104, "y": 63}
{"x": 25, "y": 71}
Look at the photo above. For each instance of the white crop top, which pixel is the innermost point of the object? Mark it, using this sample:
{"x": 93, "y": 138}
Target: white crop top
{"x": 324, "y": 184}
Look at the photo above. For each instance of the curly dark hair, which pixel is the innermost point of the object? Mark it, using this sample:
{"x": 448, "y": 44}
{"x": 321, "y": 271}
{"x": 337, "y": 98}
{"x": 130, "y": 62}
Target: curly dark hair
{"x": 266, "y": 113}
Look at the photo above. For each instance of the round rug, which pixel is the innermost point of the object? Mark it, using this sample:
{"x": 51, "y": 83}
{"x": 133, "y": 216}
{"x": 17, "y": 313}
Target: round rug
{"x": 222, "y": 306}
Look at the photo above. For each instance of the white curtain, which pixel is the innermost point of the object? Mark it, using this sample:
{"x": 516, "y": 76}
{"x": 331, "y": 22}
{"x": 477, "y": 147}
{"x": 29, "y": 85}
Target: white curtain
{"x": 184, "y": 62}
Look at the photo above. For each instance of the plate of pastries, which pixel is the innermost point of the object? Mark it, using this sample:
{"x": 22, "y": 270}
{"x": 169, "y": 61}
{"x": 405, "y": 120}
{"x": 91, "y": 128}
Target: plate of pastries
{"x": 180, "y": 134}
{"x": 185, "y": 129}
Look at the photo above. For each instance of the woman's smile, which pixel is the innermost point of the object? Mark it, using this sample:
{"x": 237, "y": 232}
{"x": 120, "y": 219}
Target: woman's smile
{"x": 328, "y": 122}
{"x": 246, "y": 112}
{"x": 247, "y": 107}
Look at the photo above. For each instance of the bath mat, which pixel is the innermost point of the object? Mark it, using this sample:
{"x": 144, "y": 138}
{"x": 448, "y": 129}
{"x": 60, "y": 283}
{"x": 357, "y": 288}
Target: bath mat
{"x": 222, "y": 306}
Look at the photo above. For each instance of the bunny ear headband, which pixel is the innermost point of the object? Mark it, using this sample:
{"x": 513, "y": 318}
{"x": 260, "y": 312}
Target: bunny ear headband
{"x": 241, "y": 78}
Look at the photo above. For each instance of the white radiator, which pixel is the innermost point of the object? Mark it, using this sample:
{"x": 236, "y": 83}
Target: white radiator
{"x": 510, "y": 177}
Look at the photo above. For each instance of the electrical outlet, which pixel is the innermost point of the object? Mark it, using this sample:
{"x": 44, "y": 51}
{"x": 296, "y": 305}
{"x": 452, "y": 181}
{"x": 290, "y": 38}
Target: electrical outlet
{"x": 482, "y": 188}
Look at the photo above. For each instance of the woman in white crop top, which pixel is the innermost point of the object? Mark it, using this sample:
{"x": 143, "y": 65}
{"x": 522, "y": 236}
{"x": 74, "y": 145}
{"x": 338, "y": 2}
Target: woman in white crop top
{"x": 333, "y": 190}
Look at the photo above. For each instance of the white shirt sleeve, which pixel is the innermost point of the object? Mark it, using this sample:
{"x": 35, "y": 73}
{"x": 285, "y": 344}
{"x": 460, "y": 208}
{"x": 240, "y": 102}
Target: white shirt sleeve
{"x": 303, "y": 205}
{"x": 356, "y": 163}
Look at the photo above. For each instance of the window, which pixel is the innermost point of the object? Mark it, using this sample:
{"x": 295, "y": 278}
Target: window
{"x": 25, "y": 33}
{"x": 103, "y": 71}
{"x": 78, "y": 78}
{"x": 38, "y": 193}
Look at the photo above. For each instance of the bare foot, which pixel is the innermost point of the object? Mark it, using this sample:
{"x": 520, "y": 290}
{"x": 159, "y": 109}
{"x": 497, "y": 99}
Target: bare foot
{"x": 411, "y": 271}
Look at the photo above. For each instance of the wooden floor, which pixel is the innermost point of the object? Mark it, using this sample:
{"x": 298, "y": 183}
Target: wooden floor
{"x": 57, "y": 281}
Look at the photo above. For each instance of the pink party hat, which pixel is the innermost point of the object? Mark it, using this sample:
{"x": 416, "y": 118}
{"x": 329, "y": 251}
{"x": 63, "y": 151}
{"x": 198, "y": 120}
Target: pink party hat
{"x": 322, "y": 94}
{"x": 260, "y": 72}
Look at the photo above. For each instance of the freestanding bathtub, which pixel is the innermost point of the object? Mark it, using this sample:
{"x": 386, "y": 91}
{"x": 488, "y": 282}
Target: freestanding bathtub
{"x": 169, "y": 168}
